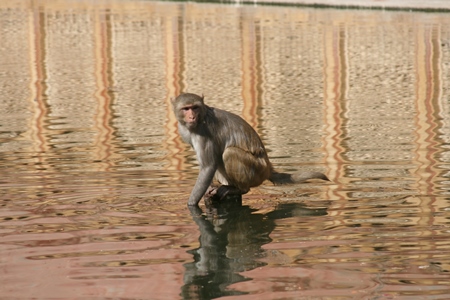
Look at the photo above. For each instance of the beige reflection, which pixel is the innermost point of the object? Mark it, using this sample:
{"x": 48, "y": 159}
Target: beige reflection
{"x": 251, "y": 70}
{"x": 174, "y": 66}
{"x": 38, "y": 84}
{"x": 103, "y": 143}
{"x": 335, "y": 106}
{"x": 429, "y": 102}
{"x": 428, "y": 105}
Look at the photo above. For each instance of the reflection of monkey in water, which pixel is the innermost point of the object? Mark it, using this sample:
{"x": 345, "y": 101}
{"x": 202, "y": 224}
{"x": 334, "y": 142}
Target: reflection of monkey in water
{"x": 227, "y": 147}
{"x": 231, "y": 240}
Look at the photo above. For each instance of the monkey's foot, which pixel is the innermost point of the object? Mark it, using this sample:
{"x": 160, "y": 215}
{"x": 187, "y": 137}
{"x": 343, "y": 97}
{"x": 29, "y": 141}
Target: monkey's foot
{"x": 215, "y": 193}
{"x": 211, "y": 191}
{"x": 221, "y": 192}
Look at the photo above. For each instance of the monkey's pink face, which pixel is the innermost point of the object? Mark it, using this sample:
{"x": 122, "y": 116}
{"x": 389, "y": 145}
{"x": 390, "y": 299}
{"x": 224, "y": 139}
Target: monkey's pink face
{"x": 191, "y": 114}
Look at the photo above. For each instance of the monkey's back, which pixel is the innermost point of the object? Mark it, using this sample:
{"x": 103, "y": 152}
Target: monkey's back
{"x": 236, "y": 132}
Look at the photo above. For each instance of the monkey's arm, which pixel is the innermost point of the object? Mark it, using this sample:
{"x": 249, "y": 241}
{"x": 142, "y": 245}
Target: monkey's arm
{"x": 204, "y": 179}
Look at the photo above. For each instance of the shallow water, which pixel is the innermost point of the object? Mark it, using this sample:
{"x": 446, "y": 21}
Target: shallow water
{"x": 95, "y": 179}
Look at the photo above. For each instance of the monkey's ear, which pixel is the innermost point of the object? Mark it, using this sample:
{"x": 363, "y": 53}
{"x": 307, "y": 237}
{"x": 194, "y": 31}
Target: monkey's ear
{"x": 203, "y": 98}
{"x": 172, "y": 100}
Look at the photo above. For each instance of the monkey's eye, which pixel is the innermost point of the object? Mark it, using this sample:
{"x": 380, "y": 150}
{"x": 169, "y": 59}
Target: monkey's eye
{"x": 193, "y": 107}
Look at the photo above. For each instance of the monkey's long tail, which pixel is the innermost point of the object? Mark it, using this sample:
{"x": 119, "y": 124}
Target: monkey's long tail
{"x": 278, "y": 178}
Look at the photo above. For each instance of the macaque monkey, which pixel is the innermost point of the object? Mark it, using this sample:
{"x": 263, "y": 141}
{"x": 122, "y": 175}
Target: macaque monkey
{"x": 228, "y": 148}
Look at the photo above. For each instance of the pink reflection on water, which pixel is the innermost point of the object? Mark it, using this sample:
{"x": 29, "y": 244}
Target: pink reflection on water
{"x": 90, "y": 263}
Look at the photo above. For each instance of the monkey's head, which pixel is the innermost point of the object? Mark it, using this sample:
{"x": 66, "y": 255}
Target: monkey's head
{"x": 189, "y": 110}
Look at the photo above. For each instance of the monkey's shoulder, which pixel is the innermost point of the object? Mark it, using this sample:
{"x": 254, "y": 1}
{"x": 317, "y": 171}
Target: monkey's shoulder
{"x": 230, "y": 120}
{"x": 236, "y": 132}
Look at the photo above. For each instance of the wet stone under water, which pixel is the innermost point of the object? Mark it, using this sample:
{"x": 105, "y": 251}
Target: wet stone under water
{"x": 95, "y": 179}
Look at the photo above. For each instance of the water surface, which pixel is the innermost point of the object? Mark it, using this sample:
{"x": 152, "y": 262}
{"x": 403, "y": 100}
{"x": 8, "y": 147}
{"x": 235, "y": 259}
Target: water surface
{"x": 95, "y": 179}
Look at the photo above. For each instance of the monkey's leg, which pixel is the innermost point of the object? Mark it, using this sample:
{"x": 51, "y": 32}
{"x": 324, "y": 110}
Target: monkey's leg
{"x": 244, "y": 170}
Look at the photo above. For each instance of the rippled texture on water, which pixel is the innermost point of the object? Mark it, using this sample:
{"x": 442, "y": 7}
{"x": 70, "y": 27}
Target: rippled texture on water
{"x": 95, "y": 178}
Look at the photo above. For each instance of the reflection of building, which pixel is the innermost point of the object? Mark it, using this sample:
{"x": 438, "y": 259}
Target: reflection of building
{"x": 141, "y": 56}
{"x": 362, "y": 94}
{"x": 321, "y": 87}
